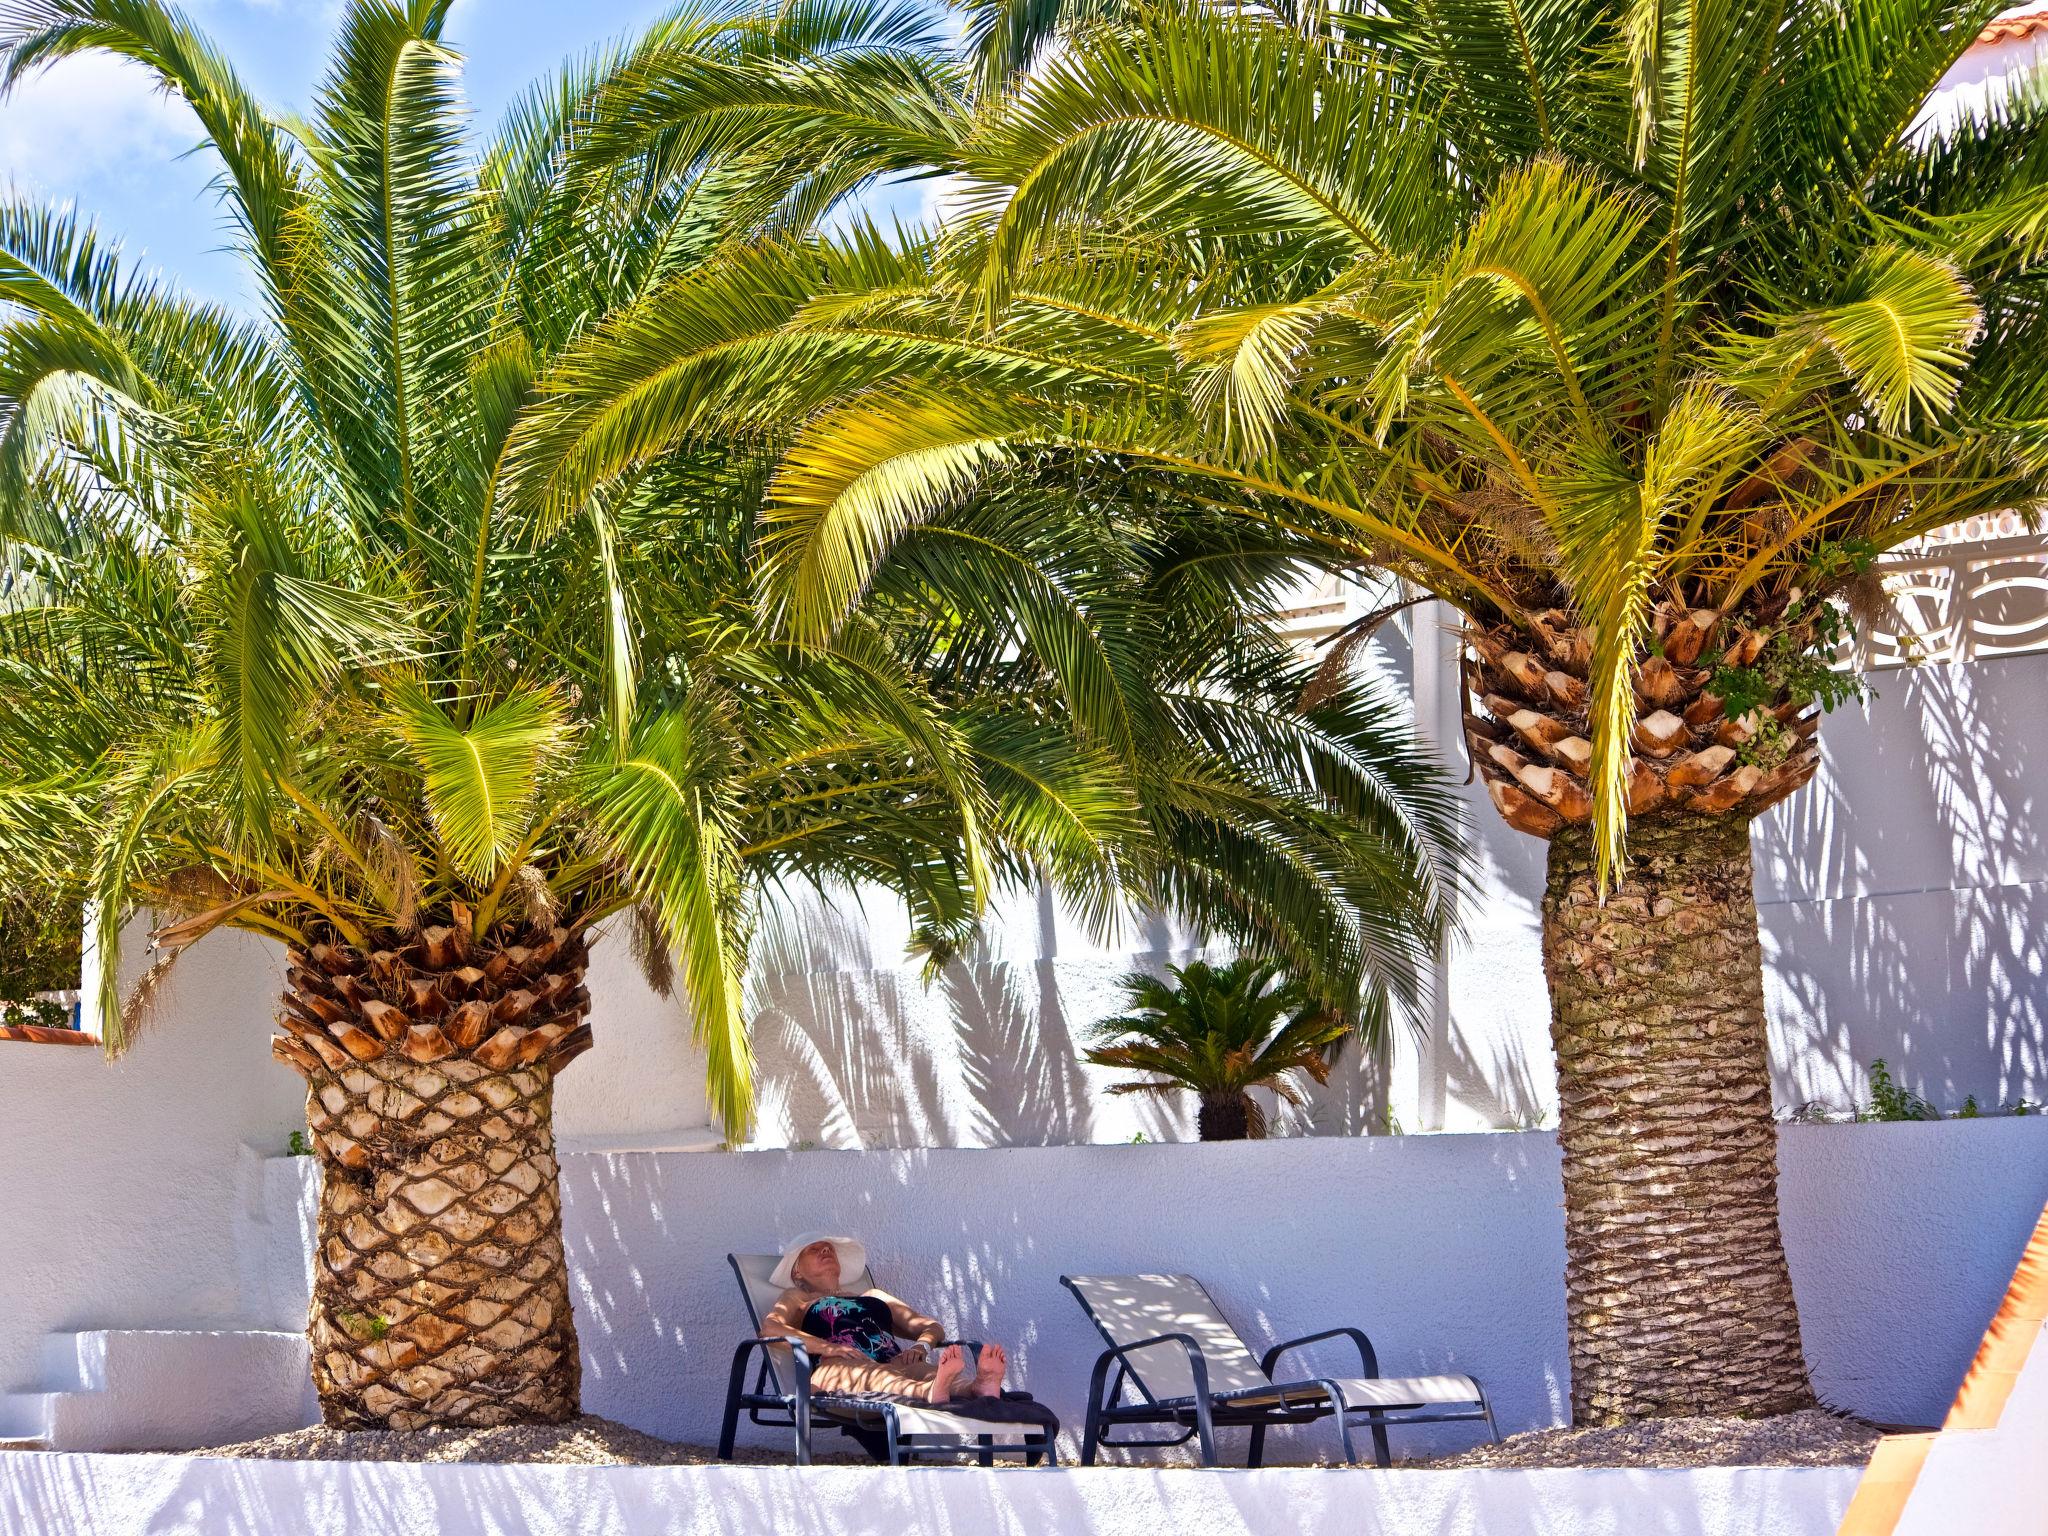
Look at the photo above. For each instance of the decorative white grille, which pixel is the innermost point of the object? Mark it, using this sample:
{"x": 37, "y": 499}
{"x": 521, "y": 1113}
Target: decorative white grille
{"x": 1972, "y": 590}
{"x": 1963, "y": 594}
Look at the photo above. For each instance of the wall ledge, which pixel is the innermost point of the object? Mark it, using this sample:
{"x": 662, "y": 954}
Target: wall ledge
{"x": 37, "y": 1034}
{"x": 185, "y": 1496}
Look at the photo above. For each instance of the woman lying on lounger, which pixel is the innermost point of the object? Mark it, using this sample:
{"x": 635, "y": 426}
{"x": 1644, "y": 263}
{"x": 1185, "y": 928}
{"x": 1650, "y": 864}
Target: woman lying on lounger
{"x": 852, "y": 1336}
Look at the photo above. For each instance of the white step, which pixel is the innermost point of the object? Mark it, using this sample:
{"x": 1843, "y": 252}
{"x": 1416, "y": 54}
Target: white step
{"x": 127, "y": 1389}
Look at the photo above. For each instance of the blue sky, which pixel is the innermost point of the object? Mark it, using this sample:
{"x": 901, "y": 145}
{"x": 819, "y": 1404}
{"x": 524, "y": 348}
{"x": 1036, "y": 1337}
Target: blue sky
{"x": 91, "y": 132}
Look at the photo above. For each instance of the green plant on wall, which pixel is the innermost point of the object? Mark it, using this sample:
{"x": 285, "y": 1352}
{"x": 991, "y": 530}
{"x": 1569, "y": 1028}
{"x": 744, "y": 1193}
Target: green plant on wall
{"x": 38, "y": 953}
{"x": 1891, "y": 1099}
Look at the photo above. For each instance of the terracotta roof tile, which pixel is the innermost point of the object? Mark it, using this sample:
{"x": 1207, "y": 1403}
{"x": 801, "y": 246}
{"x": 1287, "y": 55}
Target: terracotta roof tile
{"x": 2020, "y": 24}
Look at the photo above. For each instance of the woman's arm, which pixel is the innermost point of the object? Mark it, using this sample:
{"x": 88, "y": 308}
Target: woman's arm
{"x": 908, "y": 1323}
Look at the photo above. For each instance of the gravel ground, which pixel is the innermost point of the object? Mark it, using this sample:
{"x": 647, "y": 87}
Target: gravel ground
{"x": 1811, "y": 1439}
{"x": 589, "y": 1441}
{"x": 1814, "y": 1438}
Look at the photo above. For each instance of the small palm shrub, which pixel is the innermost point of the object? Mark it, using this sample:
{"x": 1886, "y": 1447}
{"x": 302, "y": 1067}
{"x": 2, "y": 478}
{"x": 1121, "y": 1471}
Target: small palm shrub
{"x": 1218, "y": 1032}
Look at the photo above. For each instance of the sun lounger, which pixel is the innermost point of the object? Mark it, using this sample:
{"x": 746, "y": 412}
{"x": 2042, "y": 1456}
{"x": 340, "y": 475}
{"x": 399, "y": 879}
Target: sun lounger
{"x": 781, "y": 1396}
{"x": 1187, "y": 1368}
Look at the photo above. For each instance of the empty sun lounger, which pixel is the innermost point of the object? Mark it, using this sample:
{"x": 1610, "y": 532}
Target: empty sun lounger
{"x": 781, "y": 1396}
{"x": 1188, "y": 1368}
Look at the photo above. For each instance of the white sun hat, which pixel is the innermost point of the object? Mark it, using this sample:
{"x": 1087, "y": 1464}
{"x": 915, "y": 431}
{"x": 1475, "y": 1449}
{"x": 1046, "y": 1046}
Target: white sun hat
{"x": 853, "y": 1258}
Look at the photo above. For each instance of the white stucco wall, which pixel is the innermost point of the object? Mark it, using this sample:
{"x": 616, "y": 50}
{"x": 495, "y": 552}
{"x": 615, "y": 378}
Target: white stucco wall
{"x": 857, "y": 1049}
{"x": 165, "y": 1496}
{"x": 1985, "y": 75}
{"x": 121, "y": 1183}
{"x": 1903, "y": 897}
{"x": 1447, "y": 1250}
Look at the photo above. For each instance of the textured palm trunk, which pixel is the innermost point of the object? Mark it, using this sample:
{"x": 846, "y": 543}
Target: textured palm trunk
{"x": 1677, "y": 1292}
{"x": 1677, "y": 1295}
{"x": 1224, "y": 1119}
{"x": 440, "y": 1289}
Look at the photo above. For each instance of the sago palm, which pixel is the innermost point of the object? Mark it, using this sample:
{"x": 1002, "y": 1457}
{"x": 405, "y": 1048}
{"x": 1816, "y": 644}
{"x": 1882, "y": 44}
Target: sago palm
{"x": 1633, "y": 331}
{"x": 1218, "y": 1032}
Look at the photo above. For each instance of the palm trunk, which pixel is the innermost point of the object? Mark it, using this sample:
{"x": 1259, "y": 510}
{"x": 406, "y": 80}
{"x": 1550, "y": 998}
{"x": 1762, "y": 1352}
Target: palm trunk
{"x": 1224, "y": 1119}
{"x": 1677, "y": 1295}
{"x": 441, "y": 1291}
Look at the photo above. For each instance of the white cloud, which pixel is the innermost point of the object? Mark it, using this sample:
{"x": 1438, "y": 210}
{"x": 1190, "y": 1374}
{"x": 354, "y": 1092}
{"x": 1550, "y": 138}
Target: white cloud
{"x": 89, "y": 117}
{"x": 943, "y": 197}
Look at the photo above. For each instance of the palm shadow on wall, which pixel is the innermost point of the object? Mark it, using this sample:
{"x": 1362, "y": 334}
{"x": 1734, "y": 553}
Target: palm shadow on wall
{"x": 855, "y": 1050}
{"x": 842, "y": 1039}
{"x": 1904, "y": 896}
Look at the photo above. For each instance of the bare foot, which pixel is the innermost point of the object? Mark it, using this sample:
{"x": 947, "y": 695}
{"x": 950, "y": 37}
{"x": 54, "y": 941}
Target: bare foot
{"x": 952, "y": 1366}
{"x": 988, "y": 1380}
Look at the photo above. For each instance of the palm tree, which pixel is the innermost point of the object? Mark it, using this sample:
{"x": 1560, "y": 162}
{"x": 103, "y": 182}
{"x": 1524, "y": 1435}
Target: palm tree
{"x": 276, "y": 661}
{"x": 281, "y": 655}
{"x": 1219, "y": 1033}
{"x": 1634, "y": 332}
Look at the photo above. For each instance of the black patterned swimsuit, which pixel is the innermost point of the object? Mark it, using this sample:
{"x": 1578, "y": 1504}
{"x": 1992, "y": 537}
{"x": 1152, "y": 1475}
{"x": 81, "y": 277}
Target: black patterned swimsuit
{"x": 861, "y": 1321}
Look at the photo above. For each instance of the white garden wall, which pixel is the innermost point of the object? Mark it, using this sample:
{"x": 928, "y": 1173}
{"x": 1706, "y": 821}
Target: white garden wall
{"x": 1903, "y": 898}
{"x": 166, "y": 1496}
{"x": 1448, "y": 1250}
{"x": 138, "y": 1195}
{"x": 123, "y": 1185}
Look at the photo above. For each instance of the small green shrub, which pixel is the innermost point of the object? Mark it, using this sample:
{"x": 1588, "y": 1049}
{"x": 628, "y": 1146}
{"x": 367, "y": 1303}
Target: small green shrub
{"x": 40, "y": 1012}
{"x": 299, "y": 1146}
{"x": 1892, "y": 1100}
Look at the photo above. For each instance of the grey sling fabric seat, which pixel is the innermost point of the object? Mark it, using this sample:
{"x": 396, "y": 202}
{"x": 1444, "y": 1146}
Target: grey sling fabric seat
{"x": 1188, "y": 1368}
{"x": 781, "y": 1396}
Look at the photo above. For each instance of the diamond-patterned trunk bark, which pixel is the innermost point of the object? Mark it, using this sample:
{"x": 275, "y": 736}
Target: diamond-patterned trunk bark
{"x": 1677, "y": 1295}
{"x": 441, "y": 1292}
{"x": 1678, "y": 1298}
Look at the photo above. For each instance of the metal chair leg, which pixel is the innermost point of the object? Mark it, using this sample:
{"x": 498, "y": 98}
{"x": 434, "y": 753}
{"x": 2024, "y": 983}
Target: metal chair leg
{"x": 729, "y": 1430}
{"x": 1205, "y": 1431}
{"x": 1486, "y": 1407}
{"x": 1382, "y": 1455}
{"x": 1091, "y": 1427}
{"x": 1257, "y": 1455}
{"x": 802, "y": 1415}
{"x": 987, "y": 1455}
{"x": 1341, "y": 1411}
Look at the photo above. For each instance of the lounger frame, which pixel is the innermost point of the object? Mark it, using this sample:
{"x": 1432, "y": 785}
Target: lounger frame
{"x": 794, "y": 1406}
{"x": 1302, "y": 1400}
